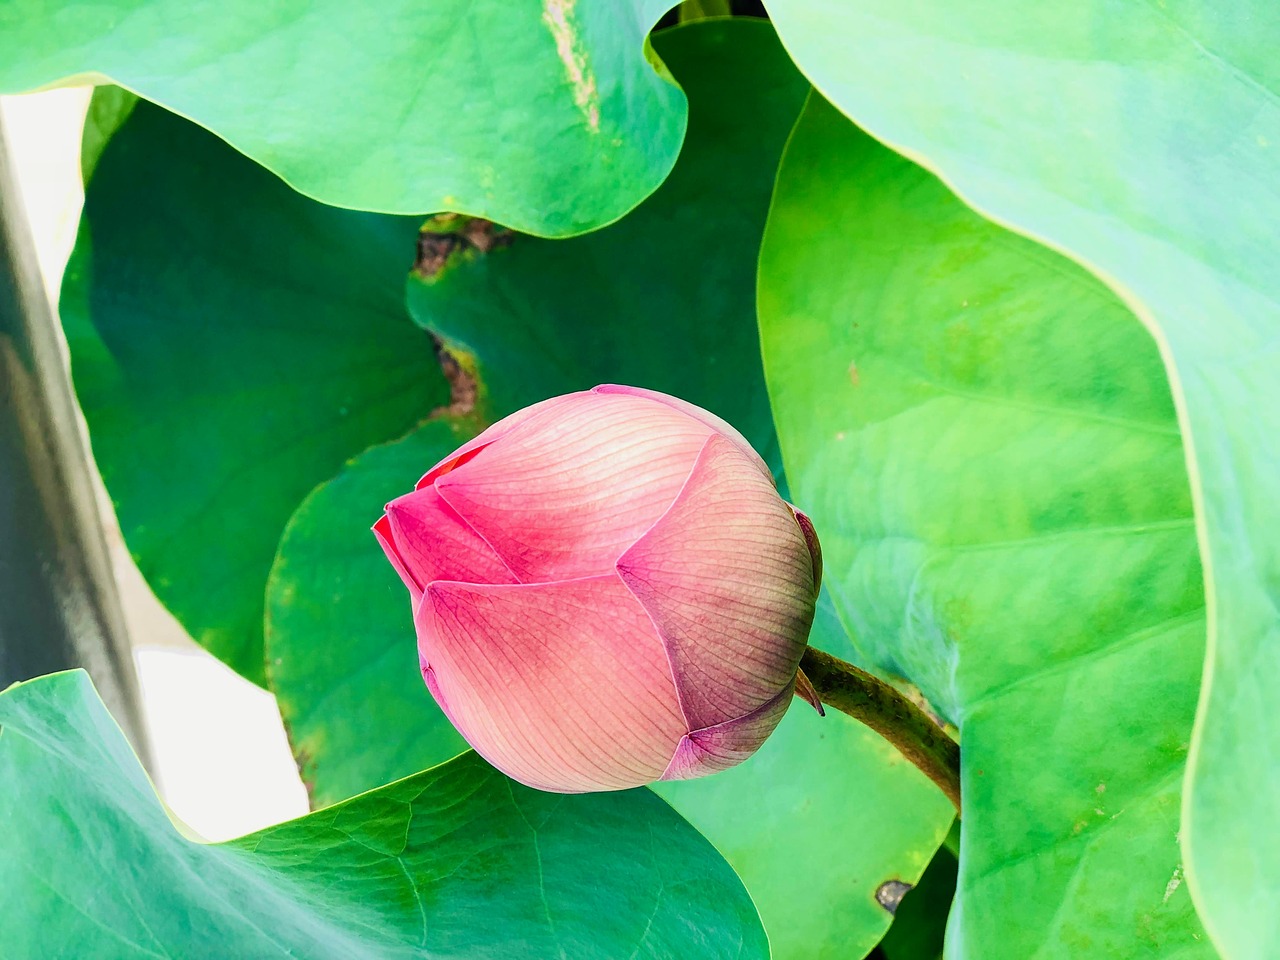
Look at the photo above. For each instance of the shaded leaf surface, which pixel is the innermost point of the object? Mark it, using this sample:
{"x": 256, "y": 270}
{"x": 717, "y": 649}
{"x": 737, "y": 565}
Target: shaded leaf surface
{"x": 985, "y": 438}
{"x": 1144, "y": 140}
{"x": 542, "y": 115}
{"x": 454, "y": 862}
{"x": 232, "y": 344}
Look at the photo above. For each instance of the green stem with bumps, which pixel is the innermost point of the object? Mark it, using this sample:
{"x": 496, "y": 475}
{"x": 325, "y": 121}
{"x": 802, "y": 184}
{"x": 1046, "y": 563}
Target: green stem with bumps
{"x": 885, "y": 710}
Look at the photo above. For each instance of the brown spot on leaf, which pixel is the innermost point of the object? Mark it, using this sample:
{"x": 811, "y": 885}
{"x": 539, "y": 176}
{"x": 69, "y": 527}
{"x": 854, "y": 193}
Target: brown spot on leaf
{"x": 447, "y": 237}
{"x": 463, "y": 388}
{"x": 890, "y": 893}
{"x": 433, "y": 253}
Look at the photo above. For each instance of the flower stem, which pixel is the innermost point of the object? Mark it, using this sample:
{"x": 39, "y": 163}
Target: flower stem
{"x": 886, "y": 711}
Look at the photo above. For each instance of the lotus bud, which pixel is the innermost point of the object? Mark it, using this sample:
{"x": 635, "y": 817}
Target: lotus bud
{"x": 607, "y": 590}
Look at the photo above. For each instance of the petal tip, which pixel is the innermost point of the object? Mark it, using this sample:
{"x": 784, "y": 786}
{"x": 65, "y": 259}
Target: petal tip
{"x": 384, "y": 532}
{"x": 806, "y": 692}
{"x": 811, "y": 541}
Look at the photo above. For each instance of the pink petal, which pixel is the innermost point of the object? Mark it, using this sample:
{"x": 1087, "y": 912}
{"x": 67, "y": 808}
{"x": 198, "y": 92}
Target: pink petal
{"x": 566, "y": 492}
{"x": 434, "y": 543}
{"x": 723, "y": 427}
{"x": 728, "y": 580}
{"x": 562, "y": 686}
{"x": 805, "y": 691}
{"x": 473, "y": 446}
{"x": 815, "y": 548}
{"x": 382, "y": 530}
{"x": 727, "y": 744}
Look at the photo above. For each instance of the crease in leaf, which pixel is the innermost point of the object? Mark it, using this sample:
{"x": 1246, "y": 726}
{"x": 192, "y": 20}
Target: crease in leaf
{"x": 559, "y": 17}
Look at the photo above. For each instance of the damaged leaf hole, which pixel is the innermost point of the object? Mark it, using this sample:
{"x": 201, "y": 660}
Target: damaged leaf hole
{"x": 890, "y": 893}
{"x": 463, "y": 389}
{"x": 443, "y": 241}
{"x": 446, "y": 237}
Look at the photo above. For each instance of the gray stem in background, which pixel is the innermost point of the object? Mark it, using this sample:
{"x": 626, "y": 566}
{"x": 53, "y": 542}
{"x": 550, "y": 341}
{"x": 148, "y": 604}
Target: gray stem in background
{"x": 59, "y": 605}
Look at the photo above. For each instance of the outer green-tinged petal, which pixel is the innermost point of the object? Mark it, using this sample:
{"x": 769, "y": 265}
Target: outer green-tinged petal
{"x": 1142, "y": 138}
{"x": 563, "y": 686}
{"x": 810, "y": 534}
{"x": 453, "y": 862}
{"x": 543, "y": 115}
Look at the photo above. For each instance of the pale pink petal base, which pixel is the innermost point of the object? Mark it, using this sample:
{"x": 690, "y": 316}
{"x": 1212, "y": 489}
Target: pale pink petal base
{"x": 563, "y": 686}
{"x": 728, "y": 580}
{"x": 727, "y": 744}
{"x": 568, "y": 490}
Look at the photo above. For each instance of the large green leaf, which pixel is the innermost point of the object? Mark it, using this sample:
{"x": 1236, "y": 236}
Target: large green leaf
{"x": 1144, "y": 140}
{"x": 985, "y": 439}
{"x": 233, "y": 343}
{"x": 454, "y": 862}
{"x": 663, "y": 299}
{"x": 544, "y": 115}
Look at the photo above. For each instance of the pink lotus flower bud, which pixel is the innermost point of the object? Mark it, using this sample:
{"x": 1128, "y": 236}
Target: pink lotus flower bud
{"x": 607, "y": 591}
